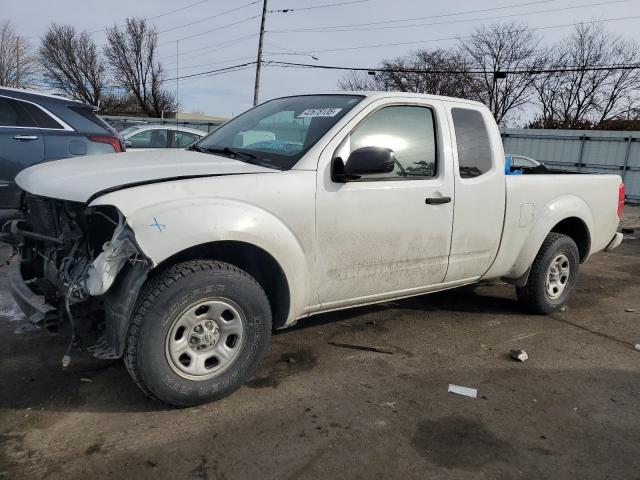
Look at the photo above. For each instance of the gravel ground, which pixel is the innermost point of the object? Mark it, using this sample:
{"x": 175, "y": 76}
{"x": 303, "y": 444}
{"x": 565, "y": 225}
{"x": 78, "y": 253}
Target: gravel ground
{"x": 317, "y": 410}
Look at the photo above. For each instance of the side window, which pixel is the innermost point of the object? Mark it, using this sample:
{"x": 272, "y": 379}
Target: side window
{"x": 159, "y": 138}
{"x": 472, "y": 138}
{"x": 407, "y": 130}
{"x": 13, "y": 115}
{"x": 149, "y": 139}
{"x": 184, "y": 139}
{"x": 41, "y": 118}
{"x": 141, "y": 140}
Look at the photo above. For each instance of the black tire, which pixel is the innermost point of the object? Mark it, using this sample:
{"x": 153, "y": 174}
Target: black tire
{"x": 162, "y": 303}
{"x": 534, "y": 296}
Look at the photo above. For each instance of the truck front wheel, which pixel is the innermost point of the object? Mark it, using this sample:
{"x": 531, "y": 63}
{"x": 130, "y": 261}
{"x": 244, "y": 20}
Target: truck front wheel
{"x": 553, "y": 275}
{"x": 198, "y": 333}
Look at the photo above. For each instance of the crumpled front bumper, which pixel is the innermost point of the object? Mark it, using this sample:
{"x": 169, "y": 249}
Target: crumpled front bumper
{"x": 33, "y": 306}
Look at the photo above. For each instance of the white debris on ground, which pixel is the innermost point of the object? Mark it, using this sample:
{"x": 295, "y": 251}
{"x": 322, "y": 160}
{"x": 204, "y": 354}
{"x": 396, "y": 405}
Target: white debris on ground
{"x": 465, "y": 391}
{"x": 520, "y": 355}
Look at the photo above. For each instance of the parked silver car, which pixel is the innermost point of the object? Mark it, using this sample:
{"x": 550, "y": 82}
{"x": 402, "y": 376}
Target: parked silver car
{"x": 147, "y": 137}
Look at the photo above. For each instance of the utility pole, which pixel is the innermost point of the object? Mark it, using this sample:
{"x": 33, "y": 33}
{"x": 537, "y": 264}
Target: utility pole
{"x": 17, "y": 61}
{"x": 256, "y": 88}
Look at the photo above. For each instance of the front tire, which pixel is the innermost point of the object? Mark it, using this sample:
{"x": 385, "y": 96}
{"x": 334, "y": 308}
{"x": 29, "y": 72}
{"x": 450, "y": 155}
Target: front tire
{"x": 553, "y": 276}
{"x": 198, "y": 333}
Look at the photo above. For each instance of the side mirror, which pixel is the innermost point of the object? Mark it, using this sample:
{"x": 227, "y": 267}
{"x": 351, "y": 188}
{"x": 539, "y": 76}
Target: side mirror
{"x": 363, "y": 161}
{"x": 128, "y": 143}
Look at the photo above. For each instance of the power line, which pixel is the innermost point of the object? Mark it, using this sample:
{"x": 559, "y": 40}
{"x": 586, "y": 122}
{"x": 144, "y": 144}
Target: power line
{"x": 186, "y": 67}
{"x": 209, "y": 18}
{"x": 313, "y": 7}
{"x": 417, "y": 42}
{"x": 451, "y": 14}
{"x": 449, "y": 22}
{"x": 195, "y": 35}
{"x": 220, "y": 46}
{"x": 194, "y": 75}
{"x": 564, "y": 69}
{"x": 162, "y": 14}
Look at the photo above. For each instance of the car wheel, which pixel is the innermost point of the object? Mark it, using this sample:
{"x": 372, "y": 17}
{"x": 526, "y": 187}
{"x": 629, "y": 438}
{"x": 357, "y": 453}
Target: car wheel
{"x": 553, "y": 275}
{"x": 199, "y": 330}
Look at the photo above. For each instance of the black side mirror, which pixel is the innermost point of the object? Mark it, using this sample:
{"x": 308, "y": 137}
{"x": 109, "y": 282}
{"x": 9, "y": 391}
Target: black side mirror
{"x": 363, "y": 161}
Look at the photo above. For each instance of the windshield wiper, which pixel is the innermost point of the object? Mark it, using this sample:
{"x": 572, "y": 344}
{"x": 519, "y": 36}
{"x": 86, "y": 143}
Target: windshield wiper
{"x": 230, "y": 153}
{"x": 195, "y": 148}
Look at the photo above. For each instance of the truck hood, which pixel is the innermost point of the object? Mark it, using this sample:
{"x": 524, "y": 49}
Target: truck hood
{"x": 78, "y": 179}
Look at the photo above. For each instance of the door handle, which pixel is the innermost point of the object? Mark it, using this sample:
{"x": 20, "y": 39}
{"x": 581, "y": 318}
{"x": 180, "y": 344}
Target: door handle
{"x": 437, "y": 200}
{"x": 25, "y": 137}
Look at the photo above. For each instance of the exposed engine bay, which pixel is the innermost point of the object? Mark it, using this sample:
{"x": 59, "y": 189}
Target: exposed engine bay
{"x": 71, "y": 255}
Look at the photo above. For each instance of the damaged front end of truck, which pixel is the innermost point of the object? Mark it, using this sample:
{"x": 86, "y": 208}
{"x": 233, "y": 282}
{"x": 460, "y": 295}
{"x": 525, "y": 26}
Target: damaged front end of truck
{"x": 70, "y": 257}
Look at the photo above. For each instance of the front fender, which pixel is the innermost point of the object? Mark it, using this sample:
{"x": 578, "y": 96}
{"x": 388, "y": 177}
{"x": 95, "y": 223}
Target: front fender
{"x": 170, "y": 227}
{"x": 560, "y": 208}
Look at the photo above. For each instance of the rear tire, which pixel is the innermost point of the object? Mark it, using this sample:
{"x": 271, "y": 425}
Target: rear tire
{"x": 553, "y": 276}
{"x": 198, "y": 333}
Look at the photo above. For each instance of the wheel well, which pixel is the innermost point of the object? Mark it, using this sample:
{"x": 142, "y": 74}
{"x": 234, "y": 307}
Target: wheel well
{"x": 576, "y": 229}
{"x": 255, "y": 261}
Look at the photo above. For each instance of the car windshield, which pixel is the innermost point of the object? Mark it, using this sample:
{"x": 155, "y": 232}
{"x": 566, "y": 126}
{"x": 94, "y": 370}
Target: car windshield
{"x": 278, "y": 133}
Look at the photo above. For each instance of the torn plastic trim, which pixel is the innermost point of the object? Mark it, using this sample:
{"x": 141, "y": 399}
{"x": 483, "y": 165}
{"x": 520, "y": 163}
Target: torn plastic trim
{"x": 115, "y": 253}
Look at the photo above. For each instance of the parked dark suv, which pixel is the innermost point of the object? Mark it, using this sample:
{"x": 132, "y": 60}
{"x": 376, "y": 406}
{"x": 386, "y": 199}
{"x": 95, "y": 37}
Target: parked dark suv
{"x": 36, "y": 127}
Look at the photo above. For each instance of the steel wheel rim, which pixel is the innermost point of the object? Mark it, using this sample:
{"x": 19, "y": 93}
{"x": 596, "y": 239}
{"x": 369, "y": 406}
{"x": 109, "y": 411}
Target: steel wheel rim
{"x": 205, "y": 338}
{"x": 558, "y": 276}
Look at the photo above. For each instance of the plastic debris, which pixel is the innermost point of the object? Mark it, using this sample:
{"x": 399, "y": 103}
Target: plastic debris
{"x": 365, "y": 348}
{"x": 629, "y": 310}
{"x": 637, "y": 346}
{"x": 465, "y": 391}
{"x": 83, "y": 379}
{"x": 519, "y": 355}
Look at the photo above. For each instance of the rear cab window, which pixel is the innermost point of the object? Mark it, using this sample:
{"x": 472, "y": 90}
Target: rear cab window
{"x": 472, "y": 141}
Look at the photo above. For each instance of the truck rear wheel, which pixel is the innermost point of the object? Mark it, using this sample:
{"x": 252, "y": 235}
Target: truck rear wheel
{"x": 553, "y": 275}
{"x": 198, "y": 333}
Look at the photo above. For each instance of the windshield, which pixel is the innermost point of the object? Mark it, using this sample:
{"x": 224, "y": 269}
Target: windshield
{"x": 278, "y": 133}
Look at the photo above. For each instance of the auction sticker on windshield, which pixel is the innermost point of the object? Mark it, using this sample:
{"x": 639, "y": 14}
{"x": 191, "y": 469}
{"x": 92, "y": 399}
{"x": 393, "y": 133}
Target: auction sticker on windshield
{"x": 319, "y": 112}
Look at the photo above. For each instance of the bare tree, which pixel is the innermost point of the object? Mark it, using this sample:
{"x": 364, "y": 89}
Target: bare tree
{"x": 437, "y": 72}
{"x": 361, "y": 81}
{"x": 131, "y": 52}
{"x": 503, "y": 47}
{"x": 17, "y": 65}
{"x": 581, "y": 95}
{"x": 72, "y": 64}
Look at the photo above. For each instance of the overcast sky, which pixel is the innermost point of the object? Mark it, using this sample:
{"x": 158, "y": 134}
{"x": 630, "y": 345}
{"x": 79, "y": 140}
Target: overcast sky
{"x": 231, "y": 93}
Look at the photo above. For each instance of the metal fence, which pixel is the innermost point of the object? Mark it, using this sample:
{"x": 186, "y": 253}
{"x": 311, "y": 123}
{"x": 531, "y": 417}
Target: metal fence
{"x": 591, "y": 151}
{"x": 204, "y": 125}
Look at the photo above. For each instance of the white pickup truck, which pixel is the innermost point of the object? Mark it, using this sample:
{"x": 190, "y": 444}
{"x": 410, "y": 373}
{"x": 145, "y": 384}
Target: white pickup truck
{"x": 301, "y": 205}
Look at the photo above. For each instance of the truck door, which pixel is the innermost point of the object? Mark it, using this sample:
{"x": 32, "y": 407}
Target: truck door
{"x": 378, "y": 235}
{"x": 480, "y": 193}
